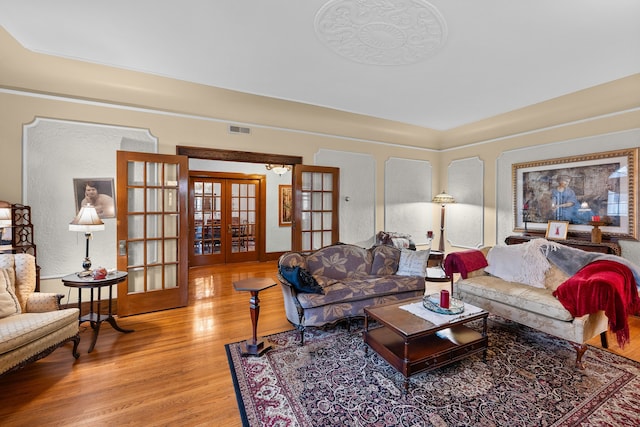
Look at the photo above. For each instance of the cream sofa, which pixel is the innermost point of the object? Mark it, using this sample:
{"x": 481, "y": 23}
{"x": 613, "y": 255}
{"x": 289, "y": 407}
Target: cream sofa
{"x": 532, "y": 306}
{"x": 32, "y": 325}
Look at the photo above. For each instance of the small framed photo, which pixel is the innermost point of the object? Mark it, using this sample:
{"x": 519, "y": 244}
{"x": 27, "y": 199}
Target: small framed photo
{"x": 557, "y": 230}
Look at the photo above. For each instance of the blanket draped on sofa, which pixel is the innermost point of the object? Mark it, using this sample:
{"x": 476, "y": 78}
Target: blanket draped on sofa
{"x": 463, "y": 262}
{"x": 602, "y": 285}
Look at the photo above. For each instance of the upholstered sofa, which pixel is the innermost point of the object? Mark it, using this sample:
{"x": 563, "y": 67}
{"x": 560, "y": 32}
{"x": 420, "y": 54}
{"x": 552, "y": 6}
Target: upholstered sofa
{"x": 32, "y": 325}
{"x": 351, "y": 278}
{"x": 528, "y": 297}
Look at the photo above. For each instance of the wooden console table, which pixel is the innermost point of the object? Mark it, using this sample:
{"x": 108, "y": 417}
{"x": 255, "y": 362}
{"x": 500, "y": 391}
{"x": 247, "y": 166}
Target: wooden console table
{"x": 612, "y": 248}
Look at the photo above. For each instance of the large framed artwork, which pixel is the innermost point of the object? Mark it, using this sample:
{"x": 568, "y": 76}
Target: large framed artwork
{"x": 599, "y": 187}
{"x": 285, "y": 213}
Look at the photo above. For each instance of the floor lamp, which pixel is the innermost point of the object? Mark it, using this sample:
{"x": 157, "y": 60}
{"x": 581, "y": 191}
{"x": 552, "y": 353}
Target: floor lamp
{"x": 87, "y": 221}
{"x": 443, "y": 199}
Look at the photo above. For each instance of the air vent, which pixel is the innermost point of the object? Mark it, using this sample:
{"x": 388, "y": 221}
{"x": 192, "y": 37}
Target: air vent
{"x": 239, "y": 129}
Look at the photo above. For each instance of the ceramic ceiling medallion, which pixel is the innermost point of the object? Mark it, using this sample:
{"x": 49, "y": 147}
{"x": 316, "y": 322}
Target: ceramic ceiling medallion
{"x": 381, "y": 32}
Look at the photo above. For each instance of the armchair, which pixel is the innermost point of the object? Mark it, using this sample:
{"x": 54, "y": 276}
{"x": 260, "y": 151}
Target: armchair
{"x": 32, "y": 324}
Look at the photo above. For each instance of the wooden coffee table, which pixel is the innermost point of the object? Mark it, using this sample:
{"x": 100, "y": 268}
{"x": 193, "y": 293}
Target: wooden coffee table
{"x": 410, "y": 344}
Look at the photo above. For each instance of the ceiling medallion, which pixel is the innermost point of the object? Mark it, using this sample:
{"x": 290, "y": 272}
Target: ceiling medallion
{"x": 381, "y": 32}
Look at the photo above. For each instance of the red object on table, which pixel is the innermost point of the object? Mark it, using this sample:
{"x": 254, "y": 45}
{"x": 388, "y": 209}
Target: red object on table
{"x": 444, "y": 298}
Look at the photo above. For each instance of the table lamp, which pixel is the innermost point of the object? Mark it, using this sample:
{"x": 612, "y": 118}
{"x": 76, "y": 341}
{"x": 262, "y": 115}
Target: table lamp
{"x": 442, "y": 198}
{"x": 87, "y": 221}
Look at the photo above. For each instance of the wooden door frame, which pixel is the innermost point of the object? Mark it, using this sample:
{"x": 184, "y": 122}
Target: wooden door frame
{"x": 262, "y": 239}
{"x": 205, "y": 153}
{"x": 237, "y": 156}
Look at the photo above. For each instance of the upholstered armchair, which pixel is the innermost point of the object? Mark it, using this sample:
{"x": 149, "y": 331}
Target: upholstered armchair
{"x": 32, "y": 324}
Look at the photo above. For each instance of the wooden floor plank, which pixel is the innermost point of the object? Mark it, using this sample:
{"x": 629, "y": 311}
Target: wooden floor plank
{"x": 171, "y": 371}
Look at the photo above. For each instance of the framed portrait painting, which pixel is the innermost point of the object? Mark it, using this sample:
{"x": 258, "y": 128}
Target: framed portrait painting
{"x": 598, "y": 187}
{"x": 98, "y": 192}
{"x": 285, "y": 215}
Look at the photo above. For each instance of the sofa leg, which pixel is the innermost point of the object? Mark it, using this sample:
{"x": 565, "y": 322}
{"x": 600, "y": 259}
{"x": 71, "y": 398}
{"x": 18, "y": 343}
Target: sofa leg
{"x": 580, "y": 350}
{"x": 603, "y": 340}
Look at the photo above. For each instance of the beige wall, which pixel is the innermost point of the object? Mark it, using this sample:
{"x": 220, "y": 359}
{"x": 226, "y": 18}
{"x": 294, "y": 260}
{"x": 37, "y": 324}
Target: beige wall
{"x": 179, "y": 113}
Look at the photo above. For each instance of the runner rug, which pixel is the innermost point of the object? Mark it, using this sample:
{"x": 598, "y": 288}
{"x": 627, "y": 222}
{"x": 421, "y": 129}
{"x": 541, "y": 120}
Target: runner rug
{"x": 528, "y": 379}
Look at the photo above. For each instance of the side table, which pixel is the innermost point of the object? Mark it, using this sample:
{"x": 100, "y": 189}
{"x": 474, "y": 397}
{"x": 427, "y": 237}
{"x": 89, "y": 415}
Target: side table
{"x": 94, "y": 317}
{"x": 437, "y": 258}
{"x": 255, "y": 346}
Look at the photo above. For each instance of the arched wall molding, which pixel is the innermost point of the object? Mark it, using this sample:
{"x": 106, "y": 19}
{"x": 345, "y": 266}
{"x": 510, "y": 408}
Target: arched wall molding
{"x": 464, "y": 220}
{"x": 407, "y": 198}
{"x": 357, "y": 193}
{"x": 55, "y": 152}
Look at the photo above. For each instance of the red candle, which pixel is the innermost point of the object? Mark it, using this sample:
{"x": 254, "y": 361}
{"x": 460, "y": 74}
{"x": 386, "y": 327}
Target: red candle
{"x": 595, "y": 218}
{"x": 444, "y": 299}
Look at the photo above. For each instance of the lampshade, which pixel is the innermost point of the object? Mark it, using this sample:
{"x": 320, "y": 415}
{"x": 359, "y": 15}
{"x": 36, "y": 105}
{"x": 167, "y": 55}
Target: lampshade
{"x": 278, "y": 169}
{"x": 87, "y": 220}
{"x": 5, "y": 217}
{"x": 443, "y": 198}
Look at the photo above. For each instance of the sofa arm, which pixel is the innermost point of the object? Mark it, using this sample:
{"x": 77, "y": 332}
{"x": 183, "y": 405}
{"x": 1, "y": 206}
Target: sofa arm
{"x": 292, "y": 308}
{"x": 40, "y": 302}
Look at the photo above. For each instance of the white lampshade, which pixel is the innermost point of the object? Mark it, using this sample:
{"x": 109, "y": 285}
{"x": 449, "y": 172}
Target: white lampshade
{"x": 87, "y": 220}
{"x": 5, "y": 217}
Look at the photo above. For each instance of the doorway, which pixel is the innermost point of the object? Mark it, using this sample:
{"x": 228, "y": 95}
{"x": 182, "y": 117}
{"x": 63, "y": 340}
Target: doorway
{"x": 226, "y": 218}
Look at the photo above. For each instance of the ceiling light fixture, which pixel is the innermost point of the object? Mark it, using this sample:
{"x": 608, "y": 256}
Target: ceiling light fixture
{"x": 278, "y": 169}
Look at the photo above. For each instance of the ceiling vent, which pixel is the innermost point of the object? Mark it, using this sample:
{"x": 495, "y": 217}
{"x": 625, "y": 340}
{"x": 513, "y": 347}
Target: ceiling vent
{"x": 239, "y": 130}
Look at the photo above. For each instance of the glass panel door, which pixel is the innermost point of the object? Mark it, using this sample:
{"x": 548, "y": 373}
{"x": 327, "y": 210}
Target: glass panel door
{"x": 207, "y": 241}
{"x": 224, "y": 224}
{"x": 316, "y": 192}
{"x": 151, "y": 214}
{"x": 242, "y": 223}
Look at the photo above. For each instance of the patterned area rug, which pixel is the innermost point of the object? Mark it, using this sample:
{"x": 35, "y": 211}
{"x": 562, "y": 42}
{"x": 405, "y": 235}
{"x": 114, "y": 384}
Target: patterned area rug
{"x": 527, "y": 380}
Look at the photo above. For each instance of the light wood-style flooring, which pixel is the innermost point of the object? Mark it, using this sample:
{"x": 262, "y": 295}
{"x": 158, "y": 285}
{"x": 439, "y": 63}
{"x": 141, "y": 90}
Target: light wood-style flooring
{"x": 172, "y": 371}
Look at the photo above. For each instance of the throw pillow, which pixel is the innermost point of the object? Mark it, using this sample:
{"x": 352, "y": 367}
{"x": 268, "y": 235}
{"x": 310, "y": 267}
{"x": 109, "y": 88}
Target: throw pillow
{"x": 301, "y": 280}
{"x": 9, "y": 304}
{"x": 514, "y": 263}
{"x": 554, "y": 278}
{"x": 385, "y": 260}
{"x": 413, "y": 263}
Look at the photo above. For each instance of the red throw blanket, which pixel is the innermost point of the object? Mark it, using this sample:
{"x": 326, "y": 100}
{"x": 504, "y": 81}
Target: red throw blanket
{"x": 602, "y": 285}
{"x": 463, "y": 262}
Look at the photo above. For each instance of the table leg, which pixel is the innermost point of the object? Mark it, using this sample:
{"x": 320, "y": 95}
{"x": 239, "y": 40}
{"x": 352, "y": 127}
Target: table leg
{"x": 255, "y": 346}
{"x": 111, "y": 319}
{"x": 96, "y": 329}
{"x": 484, "y": 334}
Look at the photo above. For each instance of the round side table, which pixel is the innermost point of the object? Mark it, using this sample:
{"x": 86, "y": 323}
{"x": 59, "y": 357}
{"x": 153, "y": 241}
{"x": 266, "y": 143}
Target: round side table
{"x": 94, "y": 317}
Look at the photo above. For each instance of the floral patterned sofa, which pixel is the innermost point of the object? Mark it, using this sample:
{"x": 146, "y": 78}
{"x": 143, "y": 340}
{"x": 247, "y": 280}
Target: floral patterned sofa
{"x": 351, "y": 279}
{"x": 32, "y": 325}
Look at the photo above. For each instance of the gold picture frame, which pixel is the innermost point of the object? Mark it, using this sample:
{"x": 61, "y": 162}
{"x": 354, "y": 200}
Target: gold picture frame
{"x": 580, "y": 190}
{"x": 557, "y": 230}
{"x": 285, "y": 199}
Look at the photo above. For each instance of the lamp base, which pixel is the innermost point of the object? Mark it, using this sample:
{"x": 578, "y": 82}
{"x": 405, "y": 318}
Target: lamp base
{"x": 86, "y": 264}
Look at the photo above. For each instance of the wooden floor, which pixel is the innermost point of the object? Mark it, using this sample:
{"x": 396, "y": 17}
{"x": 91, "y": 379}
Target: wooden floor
{"x": 172, "y": 370}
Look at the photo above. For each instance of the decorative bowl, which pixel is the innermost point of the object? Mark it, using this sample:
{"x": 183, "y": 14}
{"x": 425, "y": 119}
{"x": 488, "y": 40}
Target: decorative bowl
{"x": 432, "y": 302}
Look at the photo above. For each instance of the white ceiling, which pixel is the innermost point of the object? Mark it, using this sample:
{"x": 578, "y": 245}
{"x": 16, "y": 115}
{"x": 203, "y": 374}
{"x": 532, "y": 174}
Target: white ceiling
{"x": 497, "y": 56}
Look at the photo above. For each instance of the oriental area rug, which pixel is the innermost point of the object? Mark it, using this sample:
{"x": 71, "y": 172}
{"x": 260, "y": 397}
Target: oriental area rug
{"x": 528, "y": 379}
